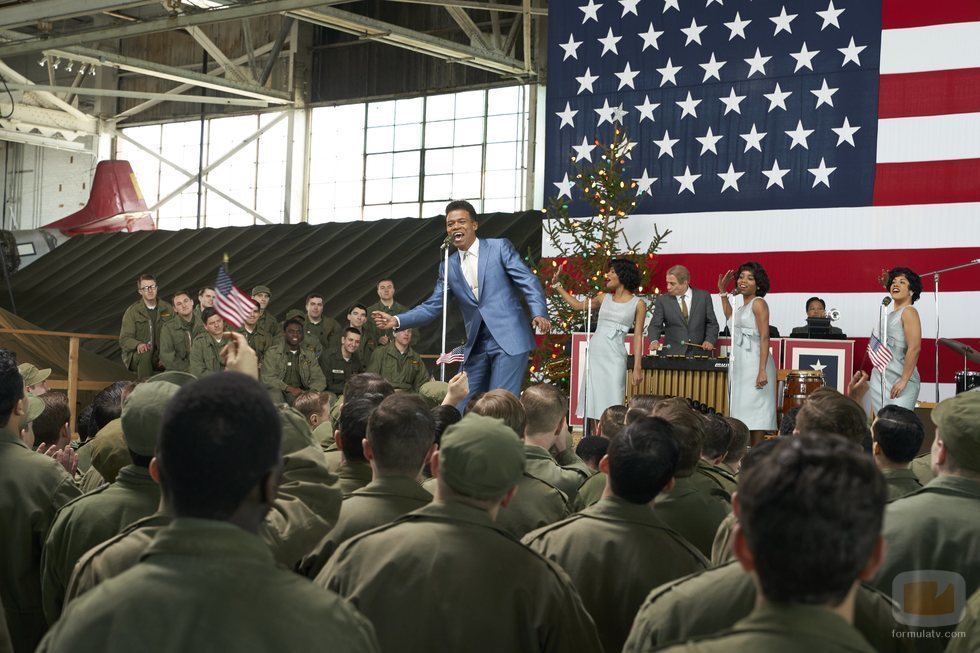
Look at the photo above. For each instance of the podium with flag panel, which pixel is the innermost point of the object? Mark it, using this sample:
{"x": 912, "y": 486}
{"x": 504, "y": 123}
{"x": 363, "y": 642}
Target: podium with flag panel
{"x": 826, "y": 140}
{"x": 833, "y": 358}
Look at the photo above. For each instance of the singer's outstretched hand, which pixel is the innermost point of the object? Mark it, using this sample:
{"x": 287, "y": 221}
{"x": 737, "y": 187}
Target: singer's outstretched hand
{"x": 383, "y": 321}
{"x": 724, "y": 280}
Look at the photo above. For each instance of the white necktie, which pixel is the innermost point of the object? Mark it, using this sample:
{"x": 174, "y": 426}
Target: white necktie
{"x": 470, "y": 272}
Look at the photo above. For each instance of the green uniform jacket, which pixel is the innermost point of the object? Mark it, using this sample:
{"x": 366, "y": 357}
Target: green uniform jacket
{"x": 371, "y": 331}
{"x": 971, "y": 626}
{"x": 322, "y": 336}
{"x": 32, "y": 488}
{"x": 616, "y": 552}
{"x": 176, "y": 337}
{"x": 109, "y": 452}
{"x": 90, "y": 520}
{"x": 206, "y": 355}
{"x": 337, "y": 370}
{"x": 922, "y": 468}
{"x": 693, "y": 511}
{"x": 567, "y": 473}
{"x": 306, "y": 508}
{"x": 900, "y": 482}
{"x": 592, "y": 490}
{"x": 6, "y": 646}
{"x": 258, "y": 340}
{"x": 270, "y": 325}
{"x": 721, "y": 548}
{"x": 714, "y": 600}
{"x": 536, "y": 504}
{"x": 427, "y": 552}
{"x": 353, "y": 476}
{"x": 136, "y": 328}
{"x": 403, "y": 371}
{"x": 206, "y": 585}
{"x": 274, "y": 371}
{"x": 379, "y": 502}
{"x": 798, "y": 628}
{"x": 937, "y": 527}
{"x": 721, "y": 477}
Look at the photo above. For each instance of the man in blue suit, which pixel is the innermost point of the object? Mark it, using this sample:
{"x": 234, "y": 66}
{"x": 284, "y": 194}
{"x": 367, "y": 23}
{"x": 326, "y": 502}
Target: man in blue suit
{"x": 488, "y": 279}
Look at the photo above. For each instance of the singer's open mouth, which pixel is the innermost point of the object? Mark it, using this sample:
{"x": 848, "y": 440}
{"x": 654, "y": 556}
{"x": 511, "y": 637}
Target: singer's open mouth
{"x": 457, "y": 235}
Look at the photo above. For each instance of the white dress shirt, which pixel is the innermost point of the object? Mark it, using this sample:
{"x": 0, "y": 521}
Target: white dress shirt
{"x": 469, "y": 261}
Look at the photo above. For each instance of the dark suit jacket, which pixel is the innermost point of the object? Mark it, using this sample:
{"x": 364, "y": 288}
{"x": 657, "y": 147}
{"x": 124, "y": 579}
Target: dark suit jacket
{"x": 667, "y": 319}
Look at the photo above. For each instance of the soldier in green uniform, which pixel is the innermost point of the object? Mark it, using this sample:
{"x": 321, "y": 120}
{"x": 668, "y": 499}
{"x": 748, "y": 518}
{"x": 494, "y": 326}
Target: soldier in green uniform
{"x": 354, "y": 471}
{"x": 828, "y": 411}
{"x": 718, "y": 434}
{"x": 340, "y": 364}
{"x": 209, "y": 571}
{"x": 178, "y": 333}
{"x": 806, "y": 570}
{"x": 640, "y": 463}
{"x": 970, "y": 625}
{"x": 34, "y": 487}
{"x": 357, "y": 319}
{"x": 695, "y": 506}
{"x": 35, "y": 380}
{"x": 738, "y": 447}
{"x": 205, "y": 355}
{"x": 538, "y": 503}
{"x": 321, "y": 333}
{"x": 400, "y": 439}
{"x": 268, "y": 322}
{"x": 478, "y": 467}
{"x": 546, "y": 410}
{"x": 937, "y": 527}
{"x": 139, "y": 335}
{"x": 290, "y": 367}
{"x": 373, "y": 336}
{"x": 205, "y": 299}
{"x": 399, "y": 363}
{"x": 897, "y": 434}
{"x": 256, "y": 337}
{"x": 306, "y": 507}
{"x": 95, "y": 517}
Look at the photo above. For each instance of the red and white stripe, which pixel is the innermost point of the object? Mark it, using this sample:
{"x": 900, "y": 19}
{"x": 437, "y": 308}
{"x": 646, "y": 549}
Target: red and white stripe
{"x": 925, "y": 213}
{"x": 234, "y": 307}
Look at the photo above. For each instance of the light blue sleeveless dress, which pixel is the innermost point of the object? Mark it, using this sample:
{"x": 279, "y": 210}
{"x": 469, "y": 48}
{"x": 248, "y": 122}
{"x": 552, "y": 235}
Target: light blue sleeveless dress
{"x": 755, "y": 407}
{"x": 893, "y": 372}
{"x": 606, "y": 376}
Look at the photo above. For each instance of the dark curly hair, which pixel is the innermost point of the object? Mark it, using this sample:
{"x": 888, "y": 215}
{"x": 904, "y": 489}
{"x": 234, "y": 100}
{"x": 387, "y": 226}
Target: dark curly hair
{"x": 761, "y": 278}
{"x": 628, "y": 273}
{"x": 915, "y": 281}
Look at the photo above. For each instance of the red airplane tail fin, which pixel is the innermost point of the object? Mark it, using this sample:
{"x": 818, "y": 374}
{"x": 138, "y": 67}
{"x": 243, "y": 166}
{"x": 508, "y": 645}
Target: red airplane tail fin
{"x": 114, "y": 204}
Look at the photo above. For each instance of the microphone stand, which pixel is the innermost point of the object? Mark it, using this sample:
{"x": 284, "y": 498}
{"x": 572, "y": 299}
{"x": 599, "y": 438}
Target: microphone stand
{"x": 445, "y": 297}
{"x": 588, "y": 355}
{"x": 883, "y": 332}
{"x": 935, "y": 293}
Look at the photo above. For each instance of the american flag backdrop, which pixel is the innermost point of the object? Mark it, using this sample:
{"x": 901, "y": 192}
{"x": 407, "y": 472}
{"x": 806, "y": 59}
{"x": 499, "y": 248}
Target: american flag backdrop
{"x": 827, "y": 139}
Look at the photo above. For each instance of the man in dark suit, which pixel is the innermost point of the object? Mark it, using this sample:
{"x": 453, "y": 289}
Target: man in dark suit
{"x": 683, "y": 314}
{"x": 488, "y": 280}
{"x": 815, "y": 307}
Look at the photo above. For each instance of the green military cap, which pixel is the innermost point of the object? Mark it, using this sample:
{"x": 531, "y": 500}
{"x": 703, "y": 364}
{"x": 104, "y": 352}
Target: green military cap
{"x": 142, "y": 414}
{"x": 958, "y": 421}
{"x": 481, "y": 457}
{"x": 296, "y": 432}
{"x": 260, "y": 289}
{"x": 33, "y": 407}
{"x": 433, "y": 392}
{"x": 173, "y": 376}
{"x": 32, "y": 375}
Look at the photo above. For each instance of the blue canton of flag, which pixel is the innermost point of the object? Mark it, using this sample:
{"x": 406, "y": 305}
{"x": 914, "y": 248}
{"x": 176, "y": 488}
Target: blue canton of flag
{"x": 827, "y": 364}
{"x": 731, "y": 104}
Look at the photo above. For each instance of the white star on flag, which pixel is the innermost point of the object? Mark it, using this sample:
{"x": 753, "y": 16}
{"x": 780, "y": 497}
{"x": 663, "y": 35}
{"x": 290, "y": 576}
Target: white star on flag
{"x": 777, "y": 98}
{"x": 591, "y": 10}
{"x": 757, "y": 64}
{"x": 688, "y": 106}
{"x": 732, "y": 102}
{"x": 821, "y": 174}
{"x": 567, "y": 116}
{"x": 753, "y": 140}
{"x": 845, "y": 133}
{"x": 730, "y": 178}
{"x": 609, "y": 42}
{"x": 646, "y": 109}
{"x": 712, "y": 68}
{"x": 643, "y": 183}
{"x": 818, "y": 366}
{"x": 737, "y": 27}
{"x": 799, "y": 136}
{"x": 687, "y": 180}
{"x": 775, "y": 175}
{"x": 825, "y": 95}
{"x": 666, "y": 145}
{"x": 782, "y": 21}
{"x": 606, "y": 113}
{"x": 650, "y": 38}
{"x": 669, "y": 72}
{"x": 709, "y": 141}
{"x": 564, "y": 187}
{"x": 626, "y": 77}
{"x": 629, "y": 7}
{"x": 583, "y": 151}
{"x": 830, "y": 16}
{"x": 586, "y": 81}
{"x": 804, "y": 58}
{"x": 671, "y": 4}
{"x": 852, "y": 53}
{"x": 693, "y": 33}
{"x": 570, "y": 48}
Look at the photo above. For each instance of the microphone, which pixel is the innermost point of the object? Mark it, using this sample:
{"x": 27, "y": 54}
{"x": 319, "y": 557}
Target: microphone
{"x": 446, "y": 242}
{"x": 886, "y": 301}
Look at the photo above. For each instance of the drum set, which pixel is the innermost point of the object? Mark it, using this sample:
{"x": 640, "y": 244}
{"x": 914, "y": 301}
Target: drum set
{"x": 966, "y": 380}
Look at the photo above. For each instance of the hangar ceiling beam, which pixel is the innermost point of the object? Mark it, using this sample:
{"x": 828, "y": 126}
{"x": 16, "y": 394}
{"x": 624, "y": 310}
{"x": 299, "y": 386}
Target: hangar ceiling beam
{"x": 29, "y": 13}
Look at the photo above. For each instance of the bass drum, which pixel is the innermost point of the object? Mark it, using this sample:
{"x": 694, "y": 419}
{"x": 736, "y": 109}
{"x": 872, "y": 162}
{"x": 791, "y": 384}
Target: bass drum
{"x": 967, "y": 381}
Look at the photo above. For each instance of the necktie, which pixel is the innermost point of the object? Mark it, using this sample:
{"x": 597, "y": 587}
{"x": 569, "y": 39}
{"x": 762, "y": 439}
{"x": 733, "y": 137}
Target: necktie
{"x": 469, "y": 272}
{"x": 684, "y": 312}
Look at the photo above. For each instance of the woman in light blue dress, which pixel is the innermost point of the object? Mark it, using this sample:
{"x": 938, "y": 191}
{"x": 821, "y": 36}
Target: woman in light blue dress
{"x": 619, "y": 311}
{"x": 752, "y": 374}
{"x": 899, "y": 385}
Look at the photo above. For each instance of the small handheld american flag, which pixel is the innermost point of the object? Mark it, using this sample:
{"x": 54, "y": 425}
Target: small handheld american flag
{"x": 453, "y": 356}
{"x": 878, "y": 352}
{"x": 231, "y": 303}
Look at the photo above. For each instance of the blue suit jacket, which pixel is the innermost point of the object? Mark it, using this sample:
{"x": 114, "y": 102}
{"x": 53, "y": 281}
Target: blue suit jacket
{"x": 503, "y": 279}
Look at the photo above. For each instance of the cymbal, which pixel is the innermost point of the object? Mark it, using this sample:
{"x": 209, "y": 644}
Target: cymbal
{"x": 971, "y": 354}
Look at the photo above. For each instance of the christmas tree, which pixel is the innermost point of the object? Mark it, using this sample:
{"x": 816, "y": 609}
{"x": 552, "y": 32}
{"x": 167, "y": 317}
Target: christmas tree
{"x": 584, "y": 247}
